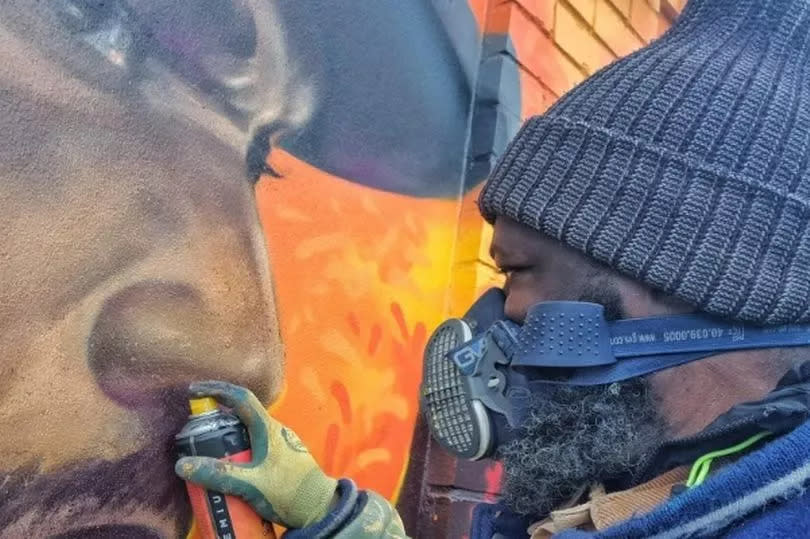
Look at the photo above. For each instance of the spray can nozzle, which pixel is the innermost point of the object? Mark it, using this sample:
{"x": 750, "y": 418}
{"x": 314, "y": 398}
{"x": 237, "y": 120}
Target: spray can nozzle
{"x": 202, "y": 405}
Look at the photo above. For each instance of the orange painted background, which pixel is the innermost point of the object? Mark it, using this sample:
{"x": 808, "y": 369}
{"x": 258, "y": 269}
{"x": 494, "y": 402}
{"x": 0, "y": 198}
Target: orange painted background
{"x": 362, "y": 276}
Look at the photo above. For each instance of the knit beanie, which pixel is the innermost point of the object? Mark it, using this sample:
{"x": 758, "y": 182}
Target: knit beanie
{"x": 685, "y": 164}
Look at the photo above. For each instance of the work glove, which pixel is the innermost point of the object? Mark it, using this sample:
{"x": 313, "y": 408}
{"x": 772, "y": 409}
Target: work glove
{"x": 282, "y": 482}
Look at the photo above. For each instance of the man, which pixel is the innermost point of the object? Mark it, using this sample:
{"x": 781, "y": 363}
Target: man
{"x": 673, "y": 181}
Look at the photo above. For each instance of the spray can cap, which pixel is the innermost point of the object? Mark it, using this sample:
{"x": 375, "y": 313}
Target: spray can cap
{"x": 202, "y": 405}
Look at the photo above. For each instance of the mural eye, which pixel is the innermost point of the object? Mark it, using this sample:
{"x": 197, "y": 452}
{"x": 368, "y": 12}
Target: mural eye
{"x": 105, "y": 25}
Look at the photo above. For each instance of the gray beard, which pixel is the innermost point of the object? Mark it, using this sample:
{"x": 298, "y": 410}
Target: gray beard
{"x": 577, "y": 436}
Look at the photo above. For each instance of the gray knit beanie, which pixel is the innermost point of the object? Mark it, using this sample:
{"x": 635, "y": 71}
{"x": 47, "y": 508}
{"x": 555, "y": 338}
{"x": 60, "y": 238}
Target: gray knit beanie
{"x": 685, "y": 164}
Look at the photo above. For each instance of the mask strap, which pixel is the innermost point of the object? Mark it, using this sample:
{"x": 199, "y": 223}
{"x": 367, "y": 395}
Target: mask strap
{"x": 625, "y": 369}
{"x": 646, "y": 345}
{"x": 697, "y": 333}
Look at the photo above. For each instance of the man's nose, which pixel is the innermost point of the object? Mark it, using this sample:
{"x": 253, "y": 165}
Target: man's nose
{"x": 515, "y": 308}
{"x": 157, "y": 336}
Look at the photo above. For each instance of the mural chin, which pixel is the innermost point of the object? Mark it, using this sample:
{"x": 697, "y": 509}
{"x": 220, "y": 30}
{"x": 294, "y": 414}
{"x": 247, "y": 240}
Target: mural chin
{"x": 136, "y": 495}
{"x": 97, "y": 438}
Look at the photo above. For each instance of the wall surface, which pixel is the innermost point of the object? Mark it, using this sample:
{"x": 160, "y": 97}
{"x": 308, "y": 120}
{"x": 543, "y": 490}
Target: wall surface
{"x": 279, "y": 194}
{"x": 262, "y": 192}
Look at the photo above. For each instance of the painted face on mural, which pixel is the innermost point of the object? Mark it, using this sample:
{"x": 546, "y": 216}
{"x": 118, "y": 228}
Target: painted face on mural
{"x": 132, "y": 259}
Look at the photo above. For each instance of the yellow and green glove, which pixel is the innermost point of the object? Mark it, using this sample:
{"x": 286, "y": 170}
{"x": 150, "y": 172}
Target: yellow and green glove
{"x": 282, "y": 482}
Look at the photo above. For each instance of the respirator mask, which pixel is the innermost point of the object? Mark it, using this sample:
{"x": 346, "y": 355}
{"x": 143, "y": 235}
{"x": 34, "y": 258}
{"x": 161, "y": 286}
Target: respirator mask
{"x": 481, "y": 372}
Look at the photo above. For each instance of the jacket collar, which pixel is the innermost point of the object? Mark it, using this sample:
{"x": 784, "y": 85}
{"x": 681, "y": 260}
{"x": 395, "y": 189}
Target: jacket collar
{"x": 779, "y": 412}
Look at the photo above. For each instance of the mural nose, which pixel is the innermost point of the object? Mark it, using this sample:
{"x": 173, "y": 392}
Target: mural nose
{"x": 155, "y": 337}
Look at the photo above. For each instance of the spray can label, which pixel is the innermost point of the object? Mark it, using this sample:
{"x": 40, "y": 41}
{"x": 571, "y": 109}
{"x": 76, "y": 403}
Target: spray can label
{"x": 219, "y": 435}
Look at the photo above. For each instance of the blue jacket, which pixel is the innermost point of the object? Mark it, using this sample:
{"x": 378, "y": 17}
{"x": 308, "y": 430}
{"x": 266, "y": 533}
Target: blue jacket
{"x": 760, "y": 495}
{"x": 763, "y": 494}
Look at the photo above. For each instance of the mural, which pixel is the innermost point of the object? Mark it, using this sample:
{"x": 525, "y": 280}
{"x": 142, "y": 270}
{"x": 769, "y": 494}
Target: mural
{"x": 188, "y": 184}
{"x": 279, "y": 194}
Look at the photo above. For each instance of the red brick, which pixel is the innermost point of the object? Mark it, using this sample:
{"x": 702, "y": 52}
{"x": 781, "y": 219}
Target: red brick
{"x": 576, "y": 39}
{"x": 554, "y": 69}
{"x": 611, "y": 27}
{"x": 535, "y": 50}
{"x": 499, "y": 18}
{"x": 541, "y": 10}
{"x": 585, "y": 8}
{"x": 645, "y": 20}
{"x": 535, "y": 97}
{"x": 623, "y": 6}
{"x": 573, "y": 73}
{"x": 482, "y": 476}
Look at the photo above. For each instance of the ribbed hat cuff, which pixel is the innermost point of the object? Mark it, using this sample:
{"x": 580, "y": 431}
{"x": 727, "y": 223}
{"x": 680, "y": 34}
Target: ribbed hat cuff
{"x": 655, "y": 215}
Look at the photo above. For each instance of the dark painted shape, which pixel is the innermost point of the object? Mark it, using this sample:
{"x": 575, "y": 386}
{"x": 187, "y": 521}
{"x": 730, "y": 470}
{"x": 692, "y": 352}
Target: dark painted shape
{"x": 393, "y": 90}
{"x": 393, "y": 81}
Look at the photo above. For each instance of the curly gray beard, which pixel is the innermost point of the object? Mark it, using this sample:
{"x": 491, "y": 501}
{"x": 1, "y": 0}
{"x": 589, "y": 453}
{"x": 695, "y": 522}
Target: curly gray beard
{"x": 576, "y": 436}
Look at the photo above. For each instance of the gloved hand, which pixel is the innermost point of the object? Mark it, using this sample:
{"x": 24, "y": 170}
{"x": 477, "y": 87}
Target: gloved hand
{"x": 282, "y": 482}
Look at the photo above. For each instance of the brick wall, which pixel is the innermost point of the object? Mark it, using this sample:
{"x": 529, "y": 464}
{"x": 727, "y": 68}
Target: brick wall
{"x": 552, "y": 45}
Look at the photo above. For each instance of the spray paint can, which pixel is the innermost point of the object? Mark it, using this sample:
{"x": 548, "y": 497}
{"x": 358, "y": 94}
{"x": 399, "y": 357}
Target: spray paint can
{"x": 211, "y": 432}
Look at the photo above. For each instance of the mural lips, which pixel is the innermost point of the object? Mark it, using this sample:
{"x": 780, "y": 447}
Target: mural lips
{"x": 105, "y": 532}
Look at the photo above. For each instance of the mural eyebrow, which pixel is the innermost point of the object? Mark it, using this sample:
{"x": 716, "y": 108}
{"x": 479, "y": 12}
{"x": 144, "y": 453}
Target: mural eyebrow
{"x": 259, "y": 149}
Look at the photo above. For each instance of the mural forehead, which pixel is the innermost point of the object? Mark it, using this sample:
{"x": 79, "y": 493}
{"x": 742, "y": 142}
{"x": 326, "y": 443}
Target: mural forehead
{"x": 222, "y": 65}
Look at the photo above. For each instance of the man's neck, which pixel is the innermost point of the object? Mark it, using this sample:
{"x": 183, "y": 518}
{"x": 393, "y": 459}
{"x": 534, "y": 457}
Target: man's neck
{"x": 693, "y": 395}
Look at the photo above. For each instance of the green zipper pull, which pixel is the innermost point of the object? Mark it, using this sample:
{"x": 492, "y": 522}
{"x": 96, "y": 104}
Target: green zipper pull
{"x": 701, "y": 467}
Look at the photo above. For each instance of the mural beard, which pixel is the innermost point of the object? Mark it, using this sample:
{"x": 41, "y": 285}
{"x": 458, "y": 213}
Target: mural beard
{"x": 139, "y": 493}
